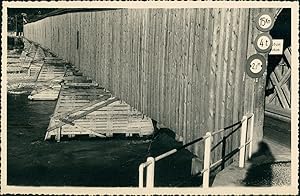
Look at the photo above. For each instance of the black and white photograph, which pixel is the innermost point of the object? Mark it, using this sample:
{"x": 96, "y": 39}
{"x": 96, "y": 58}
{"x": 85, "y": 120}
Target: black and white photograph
{"x": 149, "y": 98}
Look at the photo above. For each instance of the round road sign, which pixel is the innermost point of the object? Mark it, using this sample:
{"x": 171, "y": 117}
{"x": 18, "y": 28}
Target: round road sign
{"x": 256, "y": 65}
{"x": 265, "y": 21}
{"x": 263, "y": 43}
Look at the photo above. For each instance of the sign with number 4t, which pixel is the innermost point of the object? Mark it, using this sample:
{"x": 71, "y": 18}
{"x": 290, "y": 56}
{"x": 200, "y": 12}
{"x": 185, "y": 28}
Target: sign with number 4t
{"x": 263, "y": 43}
{"x": 265, "y": 21}
{"x": 256, "y": 65}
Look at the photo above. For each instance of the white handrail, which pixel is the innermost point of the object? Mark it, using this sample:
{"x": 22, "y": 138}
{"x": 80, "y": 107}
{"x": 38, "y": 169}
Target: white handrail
{"x": 243, "y": 141}
{"x": 207, "y": 151}
{"x": 150, "y": 163}
{"x": 251, "y": 135}
{"x": 150, "y": 173}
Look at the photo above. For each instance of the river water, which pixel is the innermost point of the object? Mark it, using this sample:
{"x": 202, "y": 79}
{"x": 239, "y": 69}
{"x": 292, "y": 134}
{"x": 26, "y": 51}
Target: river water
{"x": 83, "y": 161}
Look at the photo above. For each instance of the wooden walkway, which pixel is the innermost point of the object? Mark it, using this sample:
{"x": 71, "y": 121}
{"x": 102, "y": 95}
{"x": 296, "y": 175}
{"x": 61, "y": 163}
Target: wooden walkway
{"x": 84, "y": 108}
{"x": 33, "y": 64}
{"x": 24, "y": 66}
{"x": 49, "y": 79}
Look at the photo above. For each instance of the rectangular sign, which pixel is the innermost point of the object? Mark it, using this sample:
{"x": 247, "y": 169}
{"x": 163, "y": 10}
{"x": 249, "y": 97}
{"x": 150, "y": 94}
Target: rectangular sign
{"x": 277, "y": 48}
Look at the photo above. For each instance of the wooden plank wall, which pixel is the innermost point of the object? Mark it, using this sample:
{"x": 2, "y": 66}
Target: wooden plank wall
{"x": 182, "y": 67}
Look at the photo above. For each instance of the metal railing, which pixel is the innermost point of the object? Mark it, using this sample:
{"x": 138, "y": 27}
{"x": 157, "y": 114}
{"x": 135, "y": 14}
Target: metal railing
{"x": 205, "y": 172}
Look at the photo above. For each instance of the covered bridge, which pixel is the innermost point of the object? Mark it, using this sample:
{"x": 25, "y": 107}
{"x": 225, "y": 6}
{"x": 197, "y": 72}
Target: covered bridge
{"x": 185, "y": 68}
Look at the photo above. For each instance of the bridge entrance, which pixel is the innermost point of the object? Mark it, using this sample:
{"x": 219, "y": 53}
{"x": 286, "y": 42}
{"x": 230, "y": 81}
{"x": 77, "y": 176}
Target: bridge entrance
{"x": 277, "y": 124}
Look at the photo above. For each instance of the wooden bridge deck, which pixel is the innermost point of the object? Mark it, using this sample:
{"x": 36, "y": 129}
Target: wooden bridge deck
{"x": 25, "y": 66}
{"x": 84, "y": 108}
{"x": 49, "y": 78}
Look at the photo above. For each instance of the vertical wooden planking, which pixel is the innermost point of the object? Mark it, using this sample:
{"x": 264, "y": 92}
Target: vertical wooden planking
{"x": 92, "y": 45}
{"x": 137, "y": 57}
{"x": 240, "y": 26}
{"x": 165, "y": 71}
{"x": 72, "y": 39}
{"x": 119, "y": 42}
{"x": 121, "y": 65}
{"x": 155, "y": 62}
{"x": 111, "y": 63}
{"x": 106, "y": 49}
{"x": 177, "y": 56}
{"x": 131, "y": 74}
{"x": 218, "y": 81}
{"x": 143, "y": 62}
{"x": 182, "y": 67}
{"x": 227, "y": 91}
{"x": 221, "y": 69}
{"x": 184, "y": 75}
{"x": 97, "y": 46}
{"x": 249, "y": 83}
{"x": 129, "y": 63}
{"x": 181, "y": 74}
{"x": 101, "y": 18}
{"x": 140, "y": 61}
{"x": 162, "y": 66}
{"x": 134, "y": 60}
{"x": 171, "y": 85}
{"x": 198, "y": 83}
{"x": 80, "y": 35}
{"x": 212, "y": 72}
{"x": 205, "y": 66}
{"x": 233, "y": 66}
{"x": 191, "y": 39}
{"x": 150, "y": 29}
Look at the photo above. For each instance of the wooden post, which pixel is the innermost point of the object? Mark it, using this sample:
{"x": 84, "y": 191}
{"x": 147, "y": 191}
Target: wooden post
{"x": 150, "y": 173}
{"x": 243, "y": 141}
{"x": 58, "y": 134}
{"x": 206, "y": 166}
{"x": 251, "y": 135}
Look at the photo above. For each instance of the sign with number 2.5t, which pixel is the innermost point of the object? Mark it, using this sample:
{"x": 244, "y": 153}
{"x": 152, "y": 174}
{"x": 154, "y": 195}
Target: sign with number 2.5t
{"x": 255, "y": 66}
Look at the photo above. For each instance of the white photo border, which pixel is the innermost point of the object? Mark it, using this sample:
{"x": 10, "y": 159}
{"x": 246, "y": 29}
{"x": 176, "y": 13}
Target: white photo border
{"x": 292, "y": 190}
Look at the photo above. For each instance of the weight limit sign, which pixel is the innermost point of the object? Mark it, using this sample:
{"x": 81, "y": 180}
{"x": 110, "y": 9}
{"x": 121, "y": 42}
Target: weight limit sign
{"x": 263, "y": 43}
{"x": 255, "y": 66}
{"x": 265, "y": 22}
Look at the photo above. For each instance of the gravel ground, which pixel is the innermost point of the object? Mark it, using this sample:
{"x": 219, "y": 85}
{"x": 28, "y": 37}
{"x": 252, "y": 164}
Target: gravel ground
{"x": 269, "y": 174}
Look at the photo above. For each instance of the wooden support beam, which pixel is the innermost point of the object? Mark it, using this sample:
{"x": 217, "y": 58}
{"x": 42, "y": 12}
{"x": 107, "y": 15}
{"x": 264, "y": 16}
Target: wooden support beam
{"x": 91, "y": 132}
{"x": 279, "y": 91}
{"x": 278, "y": 116}
{"x": 75, "y": 117}
{"x": 287, "y": 54}
{"x": 109, "y": 101}
{"x": 73, "y": 84}
{"x": 63, "y": 115}
{"x": 280, "y": 111}
{"x": 286, "y": 91}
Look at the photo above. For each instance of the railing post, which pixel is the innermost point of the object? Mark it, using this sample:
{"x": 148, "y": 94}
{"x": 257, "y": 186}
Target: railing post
{"x": 58, "y": 136}
{"x": 150, "y": 173}
{"x": 251, "y": 135}
{"x": 206, "y": 166}
{"x": 243, "y": 141}
{"x": 141, "y": 175}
